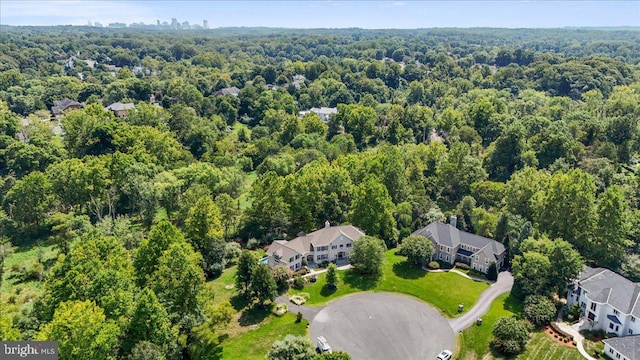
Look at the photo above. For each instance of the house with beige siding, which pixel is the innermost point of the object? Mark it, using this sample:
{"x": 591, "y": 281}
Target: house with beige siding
{"x": 454, "y": 245}
{"x": 330, "y": 243}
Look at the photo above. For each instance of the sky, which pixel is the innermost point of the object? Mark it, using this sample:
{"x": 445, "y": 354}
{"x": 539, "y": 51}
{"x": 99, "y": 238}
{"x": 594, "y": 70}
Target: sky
{"x": 404, "y": 14}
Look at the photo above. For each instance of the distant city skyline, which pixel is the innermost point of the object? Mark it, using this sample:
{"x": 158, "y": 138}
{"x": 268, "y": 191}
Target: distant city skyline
{"x": 327, "y": 14}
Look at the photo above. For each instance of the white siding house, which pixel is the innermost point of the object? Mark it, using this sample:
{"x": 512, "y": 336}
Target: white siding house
{"x": 609, "y": 301}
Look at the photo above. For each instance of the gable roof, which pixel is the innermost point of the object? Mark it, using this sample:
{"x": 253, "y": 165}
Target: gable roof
{"x": 327, "y": 235}
{"x": 322, "y": 237}
{"x": 605, "y": 286}
{"x": 228, "y": 91}
{"x": 628, "y": 346}
{"x": 61, "y": 105}
{"x": 447, "y": 235}
{"x": 118, "y": 106}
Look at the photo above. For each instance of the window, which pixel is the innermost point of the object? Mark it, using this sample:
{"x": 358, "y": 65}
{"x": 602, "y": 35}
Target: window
{"x": 616, "y": 312}
{"x": 440, "y": 256}
{"x": 323, "y": 257}
{"x": 593, "y": 306}
{"x": 441, "y": 247}
{"x": 334, "y": 246}
{"x": 633, "y": 319}
{"x": 297, "y": 257}
{"x": 349, "y": 245}
{"x": 611, "y": 326}
{"x": 291, "y": 259}
{"x": 447, "y": 257}
{"x": 448, "y": 249}
{"x": 341, "y": 245}
{"x": 611, "y": 350}
{"x": 477, "y": 257}
{"x": 486, "y": 261}
{"x": 617, "y": 355}
{"x": 630, "y": 332}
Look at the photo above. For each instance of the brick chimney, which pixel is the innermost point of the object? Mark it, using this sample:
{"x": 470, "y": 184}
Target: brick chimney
{"x": 453, "y": 221}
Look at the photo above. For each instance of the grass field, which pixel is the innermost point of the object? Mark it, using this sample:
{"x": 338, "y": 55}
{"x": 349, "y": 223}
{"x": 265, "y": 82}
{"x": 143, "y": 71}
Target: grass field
{"x": 541, "y": 347}
{"x": 474, "y": 341}
{"x": 255, "y": 344}
{"x": 15, "y": 293}
{"x": 442, "y": 290}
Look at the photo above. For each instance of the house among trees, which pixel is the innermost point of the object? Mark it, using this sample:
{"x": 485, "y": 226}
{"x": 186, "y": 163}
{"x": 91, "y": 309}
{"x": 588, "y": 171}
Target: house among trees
{"x": 323, "y": 112}
{"x": 609, "y": 301}
{"x": 454, "y": 245}
{"x": 329, "y": 243}
{"x": 227, "y": 91}
{"x": 66, "y": 104}
{"x": 120, "y": 109}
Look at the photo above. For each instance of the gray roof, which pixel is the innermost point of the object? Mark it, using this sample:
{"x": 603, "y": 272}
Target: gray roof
{"x": 228, "y": 91}
{"x": 323, "y": 237}
{"x": 447, "y": 235}
{"x": 605, "y": 286}
{"x": 61, "y": 105}
{"x": 628, "y": 346}
{"x": 118, "y": 106}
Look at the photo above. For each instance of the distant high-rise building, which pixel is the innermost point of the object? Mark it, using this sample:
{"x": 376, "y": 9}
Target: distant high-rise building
{"x": 185, "y": 25}
{"x": 205, "y": 24}
{"x": 89, "y": 23}
{"x": 158, "y": 22}
{"x": 117, "y": 25}
{"x": 97, "y": 24}
{"x": 174, "y": 23}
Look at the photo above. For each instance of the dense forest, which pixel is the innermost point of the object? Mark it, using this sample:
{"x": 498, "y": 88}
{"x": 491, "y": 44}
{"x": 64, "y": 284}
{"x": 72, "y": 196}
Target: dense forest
{"x": 530, "y": 137}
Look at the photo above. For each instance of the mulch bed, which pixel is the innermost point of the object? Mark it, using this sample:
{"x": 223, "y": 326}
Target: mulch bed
{"x": 552, "y": 335}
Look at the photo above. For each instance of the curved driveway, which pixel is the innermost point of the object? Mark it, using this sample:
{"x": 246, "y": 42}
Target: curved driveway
{"x": 503, "y": 285}
{"x": 383, "y": 326}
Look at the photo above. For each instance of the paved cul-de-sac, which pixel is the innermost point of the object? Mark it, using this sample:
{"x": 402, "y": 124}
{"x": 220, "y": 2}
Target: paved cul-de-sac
{"x": 383, "y": 326}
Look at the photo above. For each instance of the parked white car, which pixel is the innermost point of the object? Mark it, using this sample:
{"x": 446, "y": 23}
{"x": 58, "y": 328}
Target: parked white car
{"x": 322, "y": 346}
{"x": 444, "y": 355}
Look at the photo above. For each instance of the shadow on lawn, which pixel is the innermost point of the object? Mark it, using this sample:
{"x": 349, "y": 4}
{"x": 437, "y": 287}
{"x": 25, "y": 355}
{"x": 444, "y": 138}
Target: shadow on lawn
{"x": 254, "y": 315}
{"x": 406, "y": 270}
{"x": 328, "y": 291}
{"x": 514, "y": 305}
{"x": 358, "y": 281}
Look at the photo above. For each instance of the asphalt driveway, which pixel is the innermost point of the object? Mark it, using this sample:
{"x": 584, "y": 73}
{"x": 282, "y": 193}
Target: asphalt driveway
{"x": 383, "y": 326}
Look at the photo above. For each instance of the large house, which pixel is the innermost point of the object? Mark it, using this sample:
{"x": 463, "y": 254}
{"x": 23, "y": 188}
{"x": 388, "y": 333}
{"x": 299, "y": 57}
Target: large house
{"x": 623, "y": 348}
{"x": 454, "y": 245}
{"x": 330, "y": 243}
{"x": 66, "y": 104}
{"x": 119, "y": 109}
{"x": 609, "y": 301}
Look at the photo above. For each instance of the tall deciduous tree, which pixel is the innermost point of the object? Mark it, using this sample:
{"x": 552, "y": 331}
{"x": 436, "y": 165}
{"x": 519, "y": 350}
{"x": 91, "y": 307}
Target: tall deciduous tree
{"x": 161, "y": 236}
{"x": 372, "y": 210}
{"x": 263, "y": 286}
{"x": 178, "y": 281}
{"x": 510, "y": 335}
{"x": 150, "y": 322}
{"x": 417, "y": 249}
{"x": 367, "y": 255}
{"x": 611, "y": 238}
{"x": 82, "y": 332}
{"x": 246, "y": 264}
{"x": 29, "y": 200}
{"x": 567, "y": 210}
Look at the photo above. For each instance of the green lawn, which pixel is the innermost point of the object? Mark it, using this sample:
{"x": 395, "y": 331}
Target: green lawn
{"x": 443, "y": 290}
{"x": 244, "y": 200}
{"x": 541, "y": 347}
{"x": 256, "y": 343}
{"x": 474, "y": 341}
